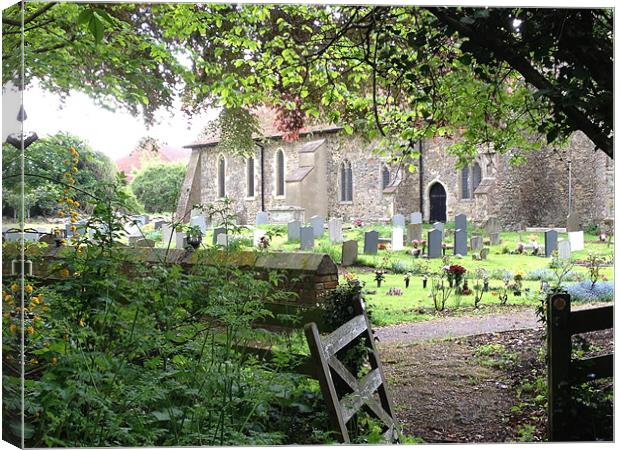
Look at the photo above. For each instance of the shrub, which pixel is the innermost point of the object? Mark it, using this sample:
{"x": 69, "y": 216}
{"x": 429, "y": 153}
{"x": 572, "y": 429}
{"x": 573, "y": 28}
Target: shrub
{"x": 157, "y": 186}
{"x": 400, "y": 267}
{"x": 586, "y": 291}
{"x": 548, "y": 275}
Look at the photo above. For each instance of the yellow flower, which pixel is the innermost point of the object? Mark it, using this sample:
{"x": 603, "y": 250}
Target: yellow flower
{"x": 73, "y": 228}
{"x": 82, "y": 323}
{"x": 64, "y": 273}
{"x": 12, "y": 328}
{"x": 74, "y": 169}
{"x": 33, "y": 361}
{"x": 8, "y": 298}
{"x": 14, "y": 287}
{"x": 36, "y": 300}
{"x": 76, "y": 204}
{"x": 61, "y": 214}
{"x": 54, "y": 360}
{"x": 30, "y": 330}
{"x": 28, "y": 288}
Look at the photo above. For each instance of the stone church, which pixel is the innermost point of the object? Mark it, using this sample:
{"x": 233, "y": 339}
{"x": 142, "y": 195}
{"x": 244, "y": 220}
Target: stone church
{"x": 330, "y": 173}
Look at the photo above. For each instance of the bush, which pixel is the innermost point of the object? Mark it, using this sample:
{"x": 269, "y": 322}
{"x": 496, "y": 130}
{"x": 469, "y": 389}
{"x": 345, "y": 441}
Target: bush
{"x": 548, "y": 275}
{"x": 157, "y": 186}
{"x": 586, "y": 291}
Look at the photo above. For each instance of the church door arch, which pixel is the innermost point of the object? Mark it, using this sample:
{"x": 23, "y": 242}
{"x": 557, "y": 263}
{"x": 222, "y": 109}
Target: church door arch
{"x": 437, "y": 202}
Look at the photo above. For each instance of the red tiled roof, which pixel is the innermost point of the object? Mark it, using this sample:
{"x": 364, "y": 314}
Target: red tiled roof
{"x": 134, "y": 160}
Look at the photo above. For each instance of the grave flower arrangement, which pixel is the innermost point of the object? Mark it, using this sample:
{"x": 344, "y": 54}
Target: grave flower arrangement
{"x": 518, "y": 283}
{"x": 455, "y": 274}
{"x": 263, "y": 242}
{"x": 407, "y": 279}
{"x": 395, "y": 291}
{"x": 381, "y": 246}
{"x": 379, "y": 277}
{"x": 358, "y": 223}
{"x": 416, "y": 251}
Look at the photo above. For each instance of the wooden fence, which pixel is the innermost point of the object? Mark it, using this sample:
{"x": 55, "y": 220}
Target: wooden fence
{"x": 562, "y": 370}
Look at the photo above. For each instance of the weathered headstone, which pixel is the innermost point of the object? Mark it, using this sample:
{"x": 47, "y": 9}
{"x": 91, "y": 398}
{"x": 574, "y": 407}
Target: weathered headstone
{"x": 416, "y": 217}
{"x": 564, "y": 250}
{"x": 166, "y": 234}
{"x": 318, "y": 226}
{"x": 551, "y": 242}
{"x": 484, "y": 252}
{"x": 397, "y": 238}
{"x": 460, "y": 222}
{"x": 495, "y": 239}
{"x": 576, "y": 240}
{"x": 460, "y": 241}
{"x": 199, "y": 221}
{"x": 349, "y": 253}
{"x": 258, "y": 234}
{"x": 262, "y": 218}
{"x": 434, "y": 243}
{"x": 439, "y": 226}
{"x": 293, "y": 230}
{"x": 398, "y": 220}
{"x": 414, "y": 232}
{"x": 492, "y": 225}
{"x": 306, "y": 236}
{"x": 371, "y": 242}
{"x": 335, "y": 230}
{"x": 217, "y": 232}
{"x": 476, "y": 243}
{"x": 133, "y": 239}
{"x": 157, "y": 224}
{"x": 139, "y": 220}
{"x": 223, "y": 239}
{"x": 573, "y": 222}
{"x": 180, "y": 240}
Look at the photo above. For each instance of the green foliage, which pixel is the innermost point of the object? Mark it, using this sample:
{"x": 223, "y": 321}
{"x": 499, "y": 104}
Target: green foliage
{"x": 157, "y": 186}
{"x": 496, "y": 355}
{"x": 237, "y": 128}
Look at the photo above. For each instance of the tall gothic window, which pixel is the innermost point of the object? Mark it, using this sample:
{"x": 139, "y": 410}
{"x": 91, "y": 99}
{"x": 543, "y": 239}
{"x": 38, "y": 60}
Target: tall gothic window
{"x": 280, "y": 172}
{"x": 476, "y": 177}
{"x": 385, "y": 177}
{"x": 250, "y": 176}
{"x": 346, "y": 182}
{"x": 221, "y": 177}
{"x": 465, "y": 192}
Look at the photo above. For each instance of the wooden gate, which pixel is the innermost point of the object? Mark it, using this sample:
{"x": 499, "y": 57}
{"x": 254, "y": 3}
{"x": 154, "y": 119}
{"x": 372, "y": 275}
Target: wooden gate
{"x": 562, "y": 370}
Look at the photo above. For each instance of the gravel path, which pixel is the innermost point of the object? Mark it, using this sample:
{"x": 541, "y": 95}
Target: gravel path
{"x": 457, "y": 327}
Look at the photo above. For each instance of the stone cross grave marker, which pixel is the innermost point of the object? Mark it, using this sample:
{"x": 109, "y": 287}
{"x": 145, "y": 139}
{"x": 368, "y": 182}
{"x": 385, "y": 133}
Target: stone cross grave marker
{"x": 576, "y": 240}
{"x": 460, "y": 222}
{"x": 306, "y": 236}
{"x": 476, "y": 243}
{"x": 414, "y": 232}
{"x": 551, "y": 242}
{"x": 398, "y": 220}
{"x": 573, "y": 222}
{"x": 397, "y": 238}
{"x": 371, "y": 242}
{"x": 216, "y": 233}
{"x": 262, "y": 218}
{"x": 416, "y": 217}
{"x": 460, "y": 241}
{"x": 335, "y": 230}
{"x": 293, "y": 230}
{"x": 484, "y": 252}
{"x": 349, "y": 253}
{"x": 434, "y": 243}
{"x": 564, "y": 249}
{"x": 318, "y": 224}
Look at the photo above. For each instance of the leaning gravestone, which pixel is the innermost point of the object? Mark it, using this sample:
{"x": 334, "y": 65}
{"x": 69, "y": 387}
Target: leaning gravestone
{"x": 371, "y": 242}
{"x": 484, "y": 253}
{"x": 460, "y": 241}
{"x": 460, "y": 222}
{"x": 495, "y": 239}
{"x": 335, "y": 230}
{"x": 306, "y": 235}
{"x": 551, "y": 242}
{"x": 318, "y": 224}
{"x": 262, "y": 218}
{"x": 416, "y": 217}
{"x": 476, "y": 242}
{"x": 397, "y": 238}
{"x": 414, "y": 232}
{"x": 293, "y": 230}
{"x": 217, "y": 232}
{"x": 398, "y": 220}
{"x": 434, "y": 243}
{"x": 349, "y": 253}
{"x": 564, "y": 249}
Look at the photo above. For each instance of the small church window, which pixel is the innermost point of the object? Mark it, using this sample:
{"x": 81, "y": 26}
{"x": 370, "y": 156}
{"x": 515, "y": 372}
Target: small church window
{"x": 280, "y": 172}
{"x": 221, "y": 178}
{"x": 346, "y": 182}
{"x": 476, "y": 177}
{"x": 465, "y": 193}
{"x": 385, "y": 177}
{"x": 250, "y": 175}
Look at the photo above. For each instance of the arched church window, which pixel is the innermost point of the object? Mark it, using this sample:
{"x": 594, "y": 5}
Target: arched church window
{"x": 476, "y": 177}
{"x": 346, "y": 182}
{"x": 221, "y": 177}
{"x": 250, "y": 176}
{"x": 385, "y": 177}
{"x": 280, "y": 172}
{"x": 465, "y": 192}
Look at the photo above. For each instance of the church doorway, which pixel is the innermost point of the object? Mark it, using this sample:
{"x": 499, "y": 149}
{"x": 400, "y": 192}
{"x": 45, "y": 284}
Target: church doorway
{"x": 437, "y": 197}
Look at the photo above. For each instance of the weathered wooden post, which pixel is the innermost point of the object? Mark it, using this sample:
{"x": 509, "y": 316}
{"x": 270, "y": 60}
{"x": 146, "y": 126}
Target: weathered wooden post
{"x": 558, "y": 367}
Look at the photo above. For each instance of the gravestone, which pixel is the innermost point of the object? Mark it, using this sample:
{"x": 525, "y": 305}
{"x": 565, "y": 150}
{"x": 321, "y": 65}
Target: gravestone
{"x": 349, "y": 253}
{"x": 134, "y": 238}
{"x": 166, "y": 234}
{"x": 564, "y": 250}
{"x": 145, "y": 243}
{"x": 180, "y": 240}
{"x": 573, "y": 222}
{"x": 460, "y": 241}
{"x": 217, "y": 232}
{"x": 416, "y": 217}
{"x": 293, "y": 230}
{"x": 398, "y": 220}
{"x": 434, "y": 243}
{"x": 476, "y": 242}
{"x": 397, "y": 238}
{"x": 158, "y": 224}
{"x": 551, "y": 242}
{"x": 139, "y": 220}
{"x": 306, "y": 236}
{"x": 495, "y": 239}
{"x": 414, "y": 232}
{"x": 439, "y": 226}
{"x": 200, "y": 221}
{"x": 335, "y": 230}
{"x": 576, "y": 240}
{"x": 492, "y": 225}
{"x": 317, "y": 223}
{"x": 484, "y": 252}
{"x": 371, "y": 242}
{"x": 223, "y": 239}
{"x": 258, "y": 234}
{"x": 460, "y": 222}
{"x": 262, "y": 218}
